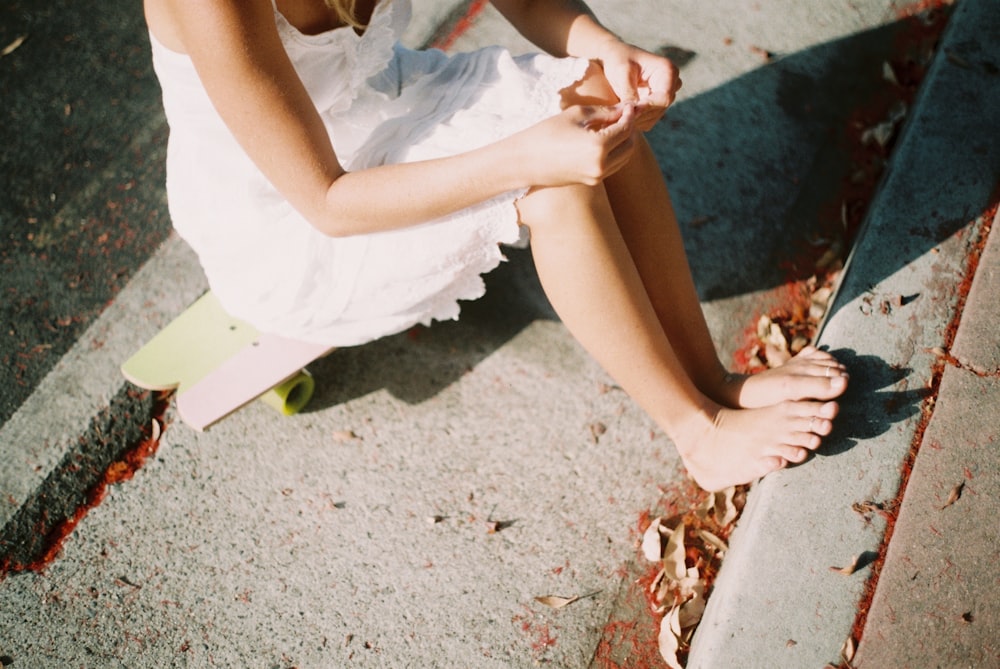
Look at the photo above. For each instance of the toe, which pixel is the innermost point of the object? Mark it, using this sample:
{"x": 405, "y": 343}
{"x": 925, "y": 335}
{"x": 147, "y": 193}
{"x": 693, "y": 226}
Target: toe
{"x": 814, "y": 425}
{"x": 838, "y": 384}
{"x": 826, "y": 387}
{"x": 829, "y": 410}
{"x": 814, "y": 354}
{"x": 793, "y": 454}
{"x": 811, "y": 441}
{"x": 773, "y": 463}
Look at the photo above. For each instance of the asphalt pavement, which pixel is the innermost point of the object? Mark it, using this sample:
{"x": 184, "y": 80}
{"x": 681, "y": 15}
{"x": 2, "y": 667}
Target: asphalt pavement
{"x": 444, "y": 478}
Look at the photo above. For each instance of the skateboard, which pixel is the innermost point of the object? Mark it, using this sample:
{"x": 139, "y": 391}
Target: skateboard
{"x": 218, "y": 363}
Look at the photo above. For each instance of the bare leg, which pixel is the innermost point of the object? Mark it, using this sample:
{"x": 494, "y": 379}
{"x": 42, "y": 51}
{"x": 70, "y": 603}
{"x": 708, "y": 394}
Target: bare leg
{"x": 645, "y": 215}
{"x": 592, "y": 281}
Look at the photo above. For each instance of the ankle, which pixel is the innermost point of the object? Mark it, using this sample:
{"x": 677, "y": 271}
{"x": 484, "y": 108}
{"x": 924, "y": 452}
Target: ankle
{"x": 724, "y": 387}
{"x": 692, "y": 428}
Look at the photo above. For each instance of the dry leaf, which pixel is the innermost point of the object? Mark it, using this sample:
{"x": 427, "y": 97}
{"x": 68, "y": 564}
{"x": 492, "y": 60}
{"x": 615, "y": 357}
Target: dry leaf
{"x": 597, "y": 430}
{"x": 954, "y": 495}
{"x": 882, "y": 133}
{"x": 889, "y": 74}
{"x": 725, "y": 509}
{"x": 555, "y": 602}
{"x": 674, "y": 555}
{"x": 657, "y": 580}
{"x": 704, "y": 509}
{"x": 956, "y": 59}
{"x": 652, "y": 541}
{"x": 768, "y": 56}
{"x": 763, "y": 327}
{"x": 669, "y": 638}
{"x": 712, "y": 540}
{"x": 820, "y": 300}
{"x": 692, "y": 610}
{"x": 849, "y": 569}
{"x": 12, "y": 47}
{"x": 847, "y": 650}
{"x": 776, "y": 356}
{"x": 663, "y": 593}
{"x": 688, "y": 586}
{"x": 829, "y": 257}
{"x": 776, "y": 337}
{"x": 494, "y": 526}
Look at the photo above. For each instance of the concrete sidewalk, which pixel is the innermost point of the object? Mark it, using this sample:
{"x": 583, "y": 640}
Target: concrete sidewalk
{"x": 403, "y": 521}
{"x": 922, "y": 352}
{"x": 937, "y": 601}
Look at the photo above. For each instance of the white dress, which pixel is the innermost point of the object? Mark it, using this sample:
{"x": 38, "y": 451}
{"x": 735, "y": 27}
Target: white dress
{"x": 382, "y": 104}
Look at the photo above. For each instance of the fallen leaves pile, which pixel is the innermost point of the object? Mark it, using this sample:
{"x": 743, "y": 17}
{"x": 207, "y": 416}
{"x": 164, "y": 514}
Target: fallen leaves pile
{"x": 786, "y": 331}
{"x": 689, "y": 549}
{"x": 868, "y": 142}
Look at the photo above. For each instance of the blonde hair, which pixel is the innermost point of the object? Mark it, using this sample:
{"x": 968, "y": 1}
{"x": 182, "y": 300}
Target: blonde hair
{"x": 345, "y": 11}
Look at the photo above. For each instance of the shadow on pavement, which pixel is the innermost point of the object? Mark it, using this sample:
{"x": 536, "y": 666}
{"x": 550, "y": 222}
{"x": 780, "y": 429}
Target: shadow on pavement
{"x": 82, "y": 204}
{"x": 759, "y": 169}
{"x": 867, "y": 409}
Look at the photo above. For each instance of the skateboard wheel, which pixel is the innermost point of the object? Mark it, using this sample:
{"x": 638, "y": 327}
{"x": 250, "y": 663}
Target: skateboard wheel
{"x": 292, "y": 395}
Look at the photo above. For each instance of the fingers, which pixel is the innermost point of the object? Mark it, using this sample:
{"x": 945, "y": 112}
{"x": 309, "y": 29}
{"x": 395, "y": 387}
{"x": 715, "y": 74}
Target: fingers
{"x": 623, "y": 124}
{"x": 607, "y": 143}
{"x": 619, "y": 139}
{"x": 614, "y": 125}
{"x": 598, "y": 118}
{"x": 662, "y": 83}
{"x": 623, "y": 76}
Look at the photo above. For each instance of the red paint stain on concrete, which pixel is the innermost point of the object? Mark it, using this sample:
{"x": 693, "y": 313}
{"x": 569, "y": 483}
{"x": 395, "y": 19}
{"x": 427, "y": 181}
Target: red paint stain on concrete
{"x": 927, "y": 412}
{"x": 462, "y": 26}
{"x": 118, "y": 471}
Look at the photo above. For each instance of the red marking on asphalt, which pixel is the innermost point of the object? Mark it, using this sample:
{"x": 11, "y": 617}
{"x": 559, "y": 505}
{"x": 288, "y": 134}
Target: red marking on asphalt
{"x": 462, "y": 26}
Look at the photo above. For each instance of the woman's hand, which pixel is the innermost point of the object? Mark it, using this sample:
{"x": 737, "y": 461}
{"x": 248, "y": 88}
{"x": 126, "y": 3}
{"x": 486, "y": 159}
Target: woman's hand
{"x": 649, "y": 81}
{"x": 581, "y": 145}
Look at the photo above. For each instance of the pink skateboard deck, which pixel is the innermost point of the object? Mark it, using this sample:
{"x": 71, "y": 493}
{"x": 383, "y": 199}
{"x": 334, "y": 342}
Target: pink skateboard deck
{"x": 218, "y": 363}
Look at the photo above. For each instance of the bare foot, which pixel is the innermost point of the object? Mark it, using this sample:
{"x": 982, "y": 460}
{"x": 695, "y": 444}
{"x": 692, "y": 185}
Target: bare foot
{"x": 741, "y": 445}
{"x": 812, "y": 374}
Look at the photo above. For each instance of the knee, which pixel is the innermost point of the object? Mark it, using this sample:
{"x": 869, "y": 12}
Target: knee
{"x": 592, "y": 89}
{"x": 545, "y": 209}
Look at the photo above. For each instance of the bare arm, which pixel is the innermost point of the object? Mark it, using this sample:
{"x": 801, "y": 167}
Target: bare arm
{"x": 239, "y": 57}
{"x": 569, "y": 28}
{"x": 560, "y": 27}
